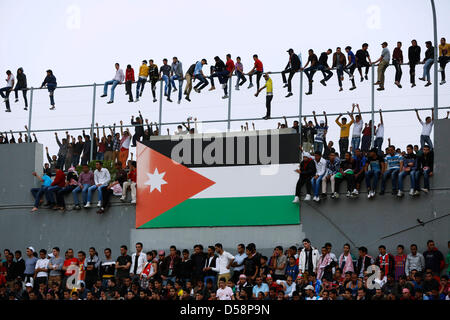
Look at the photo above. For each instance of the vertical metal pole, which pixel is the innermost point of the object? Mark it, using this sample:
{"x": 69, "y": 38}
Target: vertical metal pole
{"x": 300, "y": 100}
{"x": 30, "y": 114}
{"x": 92, "y": 123}
{"x": 435, "y": 109}
{"x": 229, "y": 104}
{"x": 372, "y": 96}
{"x": 160, "y": 106}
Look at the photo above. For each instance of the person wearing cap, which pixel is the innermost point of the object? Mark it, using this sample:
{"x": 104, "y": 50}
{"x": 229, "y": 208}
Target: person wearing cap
{"x": 243, "y": 285}
{"x": 427, "y": 63}
{"x": 292, "y": 67}
{"x": 362, "y": 55}
{"x": 383, "y": 61}
{"x": 30, "y": 264}
{"x": 306, "y": 171}
{"x": 142, "y": 79}
{"x": 119, "y": 77}
{"x": 351, "y": 66}
{"x": 310, "y": 293}
{"x": 310, "y": 71}
{"x": 200, "y": 76}
{"x": 269, "y": 94}
{"x": 50, "y": 82}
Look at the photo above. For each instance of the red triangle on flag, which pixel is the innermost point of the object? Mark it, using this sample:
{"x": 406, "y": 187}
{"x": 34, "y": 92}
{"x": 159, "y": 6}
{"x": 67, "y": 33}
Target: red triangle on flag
{"x": 163, "y": 184}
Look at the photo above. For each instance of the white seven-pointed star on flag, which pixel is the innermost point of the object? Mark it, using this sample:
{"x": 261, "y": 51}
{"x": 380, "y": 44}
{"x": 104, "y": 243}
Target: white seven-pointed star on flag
{"x": 155, "y": 180}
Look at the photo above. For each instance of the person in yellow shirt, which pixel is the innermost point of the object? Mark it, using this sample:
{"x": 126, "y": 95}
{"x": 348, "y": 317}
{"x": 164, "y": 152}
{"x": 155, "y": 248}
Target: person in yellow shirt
{"x": 143, "y": 75}
{"x": 269, "y": 94}
{"x": 444, "y": 58}
{"x": 345, "y": 132}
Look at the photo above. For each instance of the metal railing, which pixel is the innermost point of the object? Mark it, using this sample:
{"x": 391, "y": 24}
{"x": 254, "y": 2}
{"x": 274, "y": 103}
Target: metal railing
{"x": 228, "y": 120}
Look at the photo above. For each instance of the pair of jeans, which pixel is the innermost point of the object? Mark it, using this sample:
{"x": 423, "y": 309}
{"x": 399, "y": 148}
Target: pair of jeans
{"x": 75, "y": 160}
{"x": 37, "y": 194}
{"x": 92, "y": 189}
{"x": 427, "y": 68}
{"x": 378, "y": 143}
{"x": 372, "y": 183}
{"x": 84, "y": 193}
{"x": 350, "y": 69}
{"x": 303, "y": 179}
{"x": 412, "y": 175}
{"x": 355, "y": 144}
{"x": 222, "y": 75}
{"x": 309, "y": 72}
{"x": 61, "y": 193}
{"x": 289, "y": 80}
{"x": 426, "y": 179}
{"x": 398, "y": 70}
{"x": 343, "y": 146}
{"x": 350, "y": 178}
{"x": 425, "y": 139}
{"x": 49, "y": 193}
{"x": 24, "y": 93}
{"x": 51, "y": 90}
{"x": 315, "y": 183}
{"x": 241, "y": 79}
{"x": 114, "y": 84}
{"x": 60, "y": 162}
{"x": 166, "y": 84}
{"x": 172, "y": 85}
{"x": 318, "y": 146}
{"x": 202, "y": 82}
{"x": 393, "y": 173}
{"x": 128, "y": 89}
{"x": 140, "y": 85}
{"x": 100, "y": 156}
{"x": 443, "y": 60}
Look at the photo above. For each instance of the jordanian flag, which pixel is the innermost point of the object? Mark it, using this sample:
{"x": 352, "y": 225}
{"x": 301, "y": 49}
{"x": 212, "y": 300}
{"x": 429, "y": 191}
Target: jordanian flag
{"x": 206, "y": 184}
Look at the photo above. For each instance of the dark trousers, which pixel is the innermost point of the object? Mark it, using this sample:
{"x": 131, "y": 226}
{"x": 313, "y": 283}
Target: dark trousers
{"x": 37, "y": 194}
{"x": 202, "y": 82}
{"x": 128, "y": 89}
{"x": 303, "y": 179}
{"x": 60, "y": 162}
{"x": 241, "y": 79}
{"x": 268, "y": 105}
{"x": 340, "y": 73}
{"x": 136, "y": 137}
{"x": 258, "y": 78}
{"x": 60, "y": 195}
{"x": 6, "y": 96}
{"x": 360, "y": 178}
{"x": 365, "y": 143}
{"x": 350, "y": 69}
{"x": 289, "y": 80}
{"x": 412, "y": 73}
{"x": 75, "y": 160}
{"x": 153, "y": 83}
{"x": 106, "y": 197}
{"x": 24, "y": 94}
{"x": 350, "y": 178}
{"x": 363, "y": 64}
{"x": 398, "y": 71}
{"x": 442, "y": 63}
{"x": 343, "y": 147}
{"x": 327, "y": 74}
{"x": 222, "y": 75}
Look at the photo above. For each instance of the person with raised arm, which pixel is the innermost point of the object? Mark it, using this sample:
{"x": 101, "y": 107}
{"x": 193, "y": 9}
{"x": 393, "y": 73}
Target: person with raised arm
{"x": 358, "y": 127}
{"x": 321, "y": 130}
{"x": 345, "y": 132}
{"x": 444, "y": 58}
{"x": 427, "y": 127}
{"x": 124, "y": 145}
{"x": 379, "y": 133}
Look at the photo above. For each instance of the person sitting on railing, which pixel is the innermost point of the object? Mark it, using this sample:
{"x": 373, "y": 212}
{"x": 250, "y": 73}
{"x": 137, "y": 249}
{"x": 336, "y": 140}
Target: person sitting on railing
{"x": 269, "y": 94}
{"x": 339, "y": 64}
{"x": 118, "y": 79}
{"x": 164, "y": 75}
{"x": 153, "y": 77}
{"x": 189, "y": 76}
{"x": 239, "y": 68}
{"x": 21, "y": 85}
{"x": 257, "y": 69}
{"x": 114, "y": 188}
{"x": 292, "y": 67}
{"x": 130, "y": 183}
{"x": 129, "y": 79}
{"x": 176, "y": 74}
{"x": 409, "y": 168}
{"x": 444, "y": 58}
{"x": 397, "y": 61}
{"x": 200, "y": 76}
{"x": 373, "y": 168}
{"x": 10, "y": 79}
{"x": 324, "y": 67}
{"x": 101, "y": 180}
{"x": 50, "y": 82}
{"x": 362, "y": 55}
{"x": 414, "y": 58}
{"x": 310, "y": 71}
{"x": 351, "y": 66}
{"x": 428, "y": 62}
{"x": 382, "y": 66}
{"x": 39, "y": 192}
{"x": 218, "y": 71}
{"x": 424, "y": 166}
{"x": 85, "y": 181}
{"x": 142, "y": 79}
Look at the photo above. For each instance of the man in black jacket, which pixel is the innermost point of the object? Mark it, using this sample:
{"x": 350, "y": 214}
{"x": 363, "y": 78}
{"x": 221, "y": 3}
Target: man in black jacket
{"x": 306, "y": 171}
{"x": 364, "y": 261}
{"x": 210, "y": 263}
{"x": 218, "y": 70}
{"x": 292, "y": 67}
{"x": 414, "y": 58}
{"x": 170, "y": 266}
{"x": 21, "y": 85}
{"x": 324, "y": 67}
{"x": 198, "y": 262}
{"x": 138, "y": 129}
{"x": 186, "y": 267}
{"x": 425, "y": 167}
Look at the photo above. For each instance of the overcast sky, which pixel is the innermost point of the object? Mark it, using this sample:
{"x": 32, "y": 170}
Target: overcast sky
{"x": 81, "y": 40}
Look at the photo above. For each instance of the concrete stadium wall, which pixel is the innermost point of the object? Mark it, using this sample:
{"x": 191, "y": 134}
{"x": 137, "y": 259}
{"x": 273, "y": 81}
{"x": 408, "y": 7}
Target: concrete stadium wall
{"x": 383, "y": 220}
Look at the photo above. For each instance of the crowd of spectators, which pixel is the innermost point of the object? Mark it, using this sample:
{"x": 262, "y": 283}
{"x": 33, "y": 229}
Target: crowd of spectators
{"x": 303, "y": 273}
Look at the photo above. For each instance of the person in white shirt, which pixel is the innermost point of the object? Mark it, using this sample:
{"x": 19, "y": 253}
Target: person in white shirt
{"x": 41, "y": 269}
{"x": 101, "y": 180}
{"x": 309, "y": 258}
{"x": 223, "y": 263}
{"x": 310, "y": 294}
{"x": 427, "y": 126}
{"x": 238, "y": 263}
{"x": 414, "y": 261}
{"x": 9, "y": 87}
{"x": 321, "y": 166}
{"x": 288, "y": 285}
{"x": 118, "y": 79}
{"x": 138, "y": 261}
{"x": 224, "y": 292}
{"x": 358, "y": 126}
{"x": 379, "y": 134}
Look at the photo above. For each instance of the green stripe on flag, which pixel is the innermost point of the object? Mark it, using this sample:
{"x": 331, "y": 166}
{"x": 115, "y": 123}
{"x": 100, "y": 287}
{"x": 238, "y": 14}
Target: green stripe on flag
{"x": 215, "y": 212}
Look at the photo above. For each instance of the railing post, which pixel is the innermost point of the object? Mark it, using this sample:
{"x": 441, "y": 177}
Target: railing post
{"x": 160, "y": 106}
{"x": 372, "y": 97}
{"x": 300, "y": 99}
{"x": 435, "y": 108}
{"x": 30, "y": 114}
{"x": 229, "y": 104}
{"x": 92, "y": 123}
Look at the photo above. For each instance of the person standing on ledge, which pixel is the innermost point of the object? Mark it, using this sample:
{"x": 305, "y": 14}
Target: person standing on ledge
{"x": 119, "y": 77}
{"x": 269, "y": 94}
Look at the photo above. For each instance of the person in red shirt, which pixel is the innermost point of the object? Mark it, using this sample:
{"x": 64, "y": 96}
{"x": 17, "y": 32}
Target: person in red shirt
{"x": 69, "y": 260}
{"x": 57, "y": 185}
{"x": 81, "y": 258}
{"x": 131, "y": 183}
{"x": 229, "y": 66}
{"x": 129, "y": 79}
{"x": 258, "y": 70}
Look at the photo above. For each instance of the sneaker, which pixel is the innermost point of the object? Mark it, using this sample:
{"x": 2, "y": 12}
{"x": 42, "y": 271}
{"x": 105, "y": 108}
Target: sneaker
{"x": 307, "y": 197}
{"x": 179, "y": 101}
{"x": 289, "y": 94}
{"x": 411, "y": 192}
{"x": 88, "y": 205}
{"x": 423, "y": 79}
{"x": 377, "y": 83}
{"x": 77, "y": 207}
{"x": 103, "y": 95}
{"x": 336, "y": 195}
{"x": 323, "y": 82}
{"x": 285, "y": 85}
{"x": 362, "y": 79}
{"x": 351, "y": 77}
{"x": 340, "y": 89}
{"x": 428, "y": 84}
{"x": 366, "y": 77}
{"x": 133, "y": 202}
{"x": 413, "y": 85}
{"x": 8, "y": 110}
{"x": 400, "y": 193}
{"x": 369, "y": 195}
{"x": 307, "y": 93}
{"x": 416, "y": 193}
{"x": 52, "y": 107}
{"x": 17, "y": 100}
{"x": 212, "y": 88}
{"x": 174, "y": 90}
{"x": 129, "y": 100}
{"x": 424, "y": 190}
{"x": 236, "y": 88}
{"x": 316, "y": 199}
{"x": 196, "y": 90}
{"x": 122, "y": 199}
{"x": 26, "y": 108}
{"x": 99, "y": 204}
{"x": 168, "y": 99}
{"x": 154, "y": 100}
{"x": 380, "y": 89}
{"x": 296, "y": 200}
{"x": 187, "y": 98}
{"x": 136, "y": 100}
{"x": 109, "y": 102}
{"x": 373, "y": 194}
{"x": 225, "y": 97}
{"x": 101, "y": 211}
{"x": 353, "y": 88}
{"x": 250, "y": 86}
{"x": 442, "y": 82}
{"x": 355, "y": 192}
{"x": 333, "y": 196}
